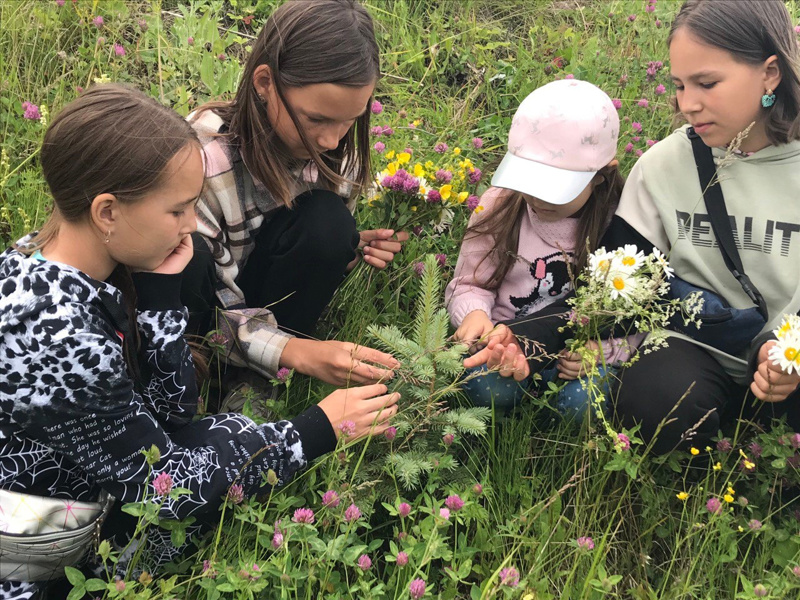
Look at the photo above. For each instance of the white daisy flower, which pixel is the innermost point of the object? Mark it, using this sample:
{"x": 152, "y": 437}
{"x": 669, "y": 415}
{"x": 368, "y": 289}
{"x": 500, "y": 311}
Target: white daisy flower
{"x": 600, "y": 263}
{"x": 629, "y": 257}
{"x": 786, "y": 354}
{"x": 661, "y": 260}
{"x": 621, "y": 284}
{"x": 790, "y": 326}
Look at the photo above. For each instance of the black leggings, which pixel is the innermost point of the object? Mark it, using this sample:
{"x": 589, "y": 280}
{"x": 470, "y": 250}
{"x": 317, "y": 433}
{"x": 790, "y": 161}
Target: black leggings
{"x": 657, "y": 386}
{"x": 299, "y": 260}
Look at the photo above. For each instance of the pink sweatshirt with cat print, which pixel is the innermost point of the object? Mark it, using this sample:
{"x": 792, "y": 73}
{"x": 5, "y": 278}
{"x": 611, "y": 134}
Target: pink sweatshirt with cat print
{"x": 538, "y": 277}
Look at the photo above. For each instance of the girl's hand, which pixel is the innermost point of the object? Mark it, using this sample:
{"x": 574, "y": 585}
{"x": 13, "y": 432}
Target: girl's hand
{"x": 502, "y": 350}
{"x": 176, "y": 262}
{"x": 770, "y": 383}
{"x": 338, "y": 363}
{"x": 380, "y": 245}
{"x": 570, "y": 364}
{"x": 474, "y": 327}
{"x": 368, "y": 407}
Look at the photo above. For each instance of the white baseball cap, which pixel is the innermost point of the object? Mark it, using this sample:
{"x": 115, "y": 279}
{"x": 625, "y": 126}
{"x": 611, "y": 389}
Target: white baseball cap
{"x": 561, "y": 135}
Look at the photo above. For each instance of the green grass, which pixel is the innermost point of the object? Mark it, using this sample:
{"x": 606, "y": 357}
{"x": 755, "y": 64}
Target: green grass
{"x": 461, "y": 67}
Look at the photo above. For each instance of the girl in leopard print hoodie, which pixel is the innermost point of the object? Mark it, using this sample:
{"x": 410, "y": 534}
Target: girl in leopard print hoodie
{"x": 86, "y": 386}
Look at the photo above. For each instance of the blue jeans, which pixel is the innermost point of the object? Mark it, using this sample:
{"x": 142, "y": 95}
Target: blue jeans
{"x": 490, "y": 389}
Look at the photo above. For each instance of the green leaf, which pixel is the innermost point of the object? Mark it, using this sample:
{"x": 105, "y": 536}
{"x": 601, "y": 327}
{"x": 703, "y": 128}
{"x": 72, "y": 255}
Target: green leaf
{"x": 74, "y": 576}
{"x": 77, "y": 593}
{"x": 95, "y": 585}
{"x": 134, "y": 508}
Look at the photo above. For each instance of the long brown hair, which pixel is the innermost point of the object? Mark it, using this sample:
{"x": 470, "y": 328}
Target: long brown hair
{"x": 504, "y": 222}
{"x": 305, "y": 42}
{"x": 752, "y": 31}
{"x": 112, "y": 139}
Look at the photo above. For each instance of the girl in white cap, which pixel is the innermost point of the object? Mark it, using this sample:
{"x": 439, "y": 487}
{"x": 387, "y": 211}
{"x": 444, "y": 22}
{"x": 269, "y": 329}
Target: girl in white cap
{"x": 550, "y": 201}
{"x": 736, "y": 70}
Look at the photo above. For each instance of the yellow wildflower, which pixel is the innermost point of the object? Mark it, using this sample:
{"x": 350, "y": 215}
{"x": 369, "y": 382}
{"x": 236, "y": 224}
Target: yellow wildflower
{"x": 462, "y": 196}
{"x": 429, "y": 165}
{"x": 466, "y": 164}
{"x": 419, "y": 171}
{"x": 456, "y": 151}
{"x": 718, "y": 467}
{"x": 708, "y": 448}
{"x": 728, "y": 498}
{"x": 682, "y": 496}
{"x": 416, "y": 122}
{"x": 741, "y": 529}
{"x": 413, "y": 209}
{"x": 749, "y": 465}
{"x": 403, "y": 158}
{"x": 391, "y": 168}
{"x": 694, "y": 451}
{"x": 390, "y": 155}
{"x": 731, "y": 490}
{"x": 478, "y": 209}
{"x": 446, "y": 191}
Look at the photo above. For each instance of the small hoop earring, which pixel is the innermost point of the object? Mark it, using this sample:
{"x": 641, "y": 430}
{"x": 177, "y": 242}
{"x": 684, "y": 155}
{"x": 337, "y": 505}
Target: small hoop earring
{"x": 108, "y": 236}
{"x": 768, "y": 99}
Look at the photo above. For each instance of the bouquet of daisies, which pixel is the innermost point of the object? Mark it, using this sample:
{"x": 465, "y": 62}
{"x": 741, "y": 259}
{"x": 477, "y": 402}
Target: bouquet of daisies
{"x": 786, "y": 352}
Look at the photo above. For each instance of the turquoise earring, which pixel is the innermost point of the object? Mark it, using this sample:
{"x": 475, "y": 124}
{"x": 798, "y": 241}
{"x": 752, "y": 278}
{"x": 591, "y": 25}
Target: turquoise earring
{"x": 768, "y": 99}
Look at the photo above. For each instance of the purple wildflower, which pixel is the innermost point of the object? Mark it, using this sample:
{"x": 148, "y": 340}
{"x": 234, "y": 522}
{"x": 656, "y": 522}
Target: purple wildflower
{"x": 650, "y": 143}
{"x": 303, "y": 515}
{"x": 402, "y": 559}
{"x": 277, "y": 539}
{"x": 441, "y": 259}
{"x": 390, "y": 433}
{"x": 379, "y": 147}
{"x": 631, "y": 18}
{"x": 444, "y": 513}
{"x": 755, "y": 449}
{"x": 283, "y": 374}
{"x": 794, "y": 440}
{"x": 509, "y": 576}
{"x": 440, "y": 148}
{"x": 714, "y": 506}
{"x": 454, "y": 502}
{"x": 376, "y": 108}
{"x": 448, "y": 439}
{"x": 724, "y": 446}
{"x": 417, "y": 230}
{"x": 119, "y": 49}
{"x": 658, "y": 22}
{"x": 660, "y": 90}
{"x": 617, "y": 103}
{"x": 60, "y": 2}
{"x": 419, "y": 268}
{"x": 636, "y": 126}
{"x": 474, "y": 176}
{"x": 236, "y": 493}
{"x": 387, "y": 131}
{"x": 408, "y": 150}
{"x": 206, "y": 565}
{"x": 119, "y": 585}
{"x": 569, "y": 76}
{"x": 650, "y": 8}
{"x": 31, "y": 111}
{"x": 643, "y": 103}
{"x": 364, "y": 562}
{"x": 477, "y": 143}
{"x": 353, "y": 513}
{"x": 101, "y": 40}
{"x": 759, "y": 591}
{"x": 754, "y": 525}
{"x": 162, "y": 483}
{"x": 330, "y": 499}
{"x": 222, "y": 57}
{"x": 623, "y": 442}
{"x": 444, "y": 176}
{"x": 473, "y": 202}
{"x": 796, "y": 571}
{"x": 376, "y": 130}
{"x": 636, "y": 138}
{"x": 417, "y": 589}
{"x": 434, "y": 197}
{"x": 347, "y": 428}
{"x": 477, "y": 489}
{"x": 190, "y": 41}
{"x": 585, "y": 543}
{"x": 404, "y": 509}
{"x": 629, "y": 147}
{"x": 98, "y": 21}
{"x": 638, "y": 152}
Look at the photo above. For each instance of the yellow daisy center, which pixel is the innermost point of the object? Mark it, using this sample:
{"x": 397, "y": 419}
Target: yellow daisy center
{"x": 619, "y": 283}
{"x": 628, "y": 261}
{"x": 790, "y": 354}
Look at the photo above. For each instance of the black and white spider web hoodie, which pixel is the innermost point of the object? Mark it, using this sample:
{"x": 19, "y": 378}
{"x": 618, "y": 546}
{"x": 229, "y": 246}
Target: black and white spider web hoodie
{"x": 72, "y": 421}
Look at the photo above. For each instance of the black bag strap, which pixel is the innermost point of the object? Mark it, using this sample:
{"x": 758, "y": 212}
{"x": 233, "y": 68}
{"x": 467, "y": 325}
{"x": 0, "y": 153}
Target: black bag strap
{"x": 720, "y": 221}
